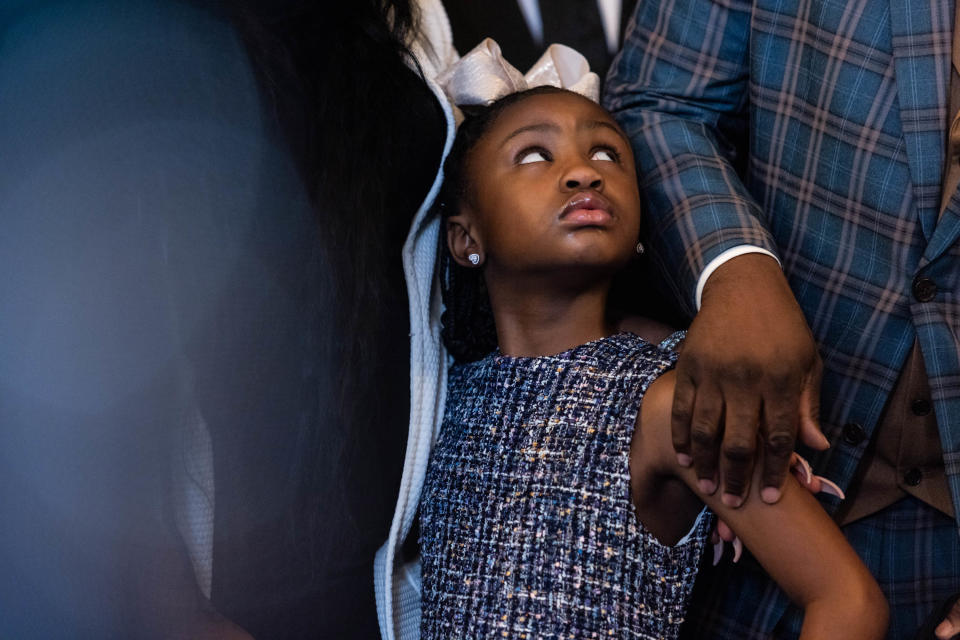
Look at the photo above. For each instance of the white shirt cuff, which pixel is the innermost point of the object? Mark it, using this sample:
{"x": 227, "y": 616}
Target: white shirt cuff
{"x": 726, "y": 256}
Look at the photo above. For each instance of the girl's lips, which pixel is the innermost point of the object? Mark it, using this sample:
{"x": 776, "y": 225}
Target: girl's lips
{"x": 587, "y": 209}
{"x": 587, "y": 217}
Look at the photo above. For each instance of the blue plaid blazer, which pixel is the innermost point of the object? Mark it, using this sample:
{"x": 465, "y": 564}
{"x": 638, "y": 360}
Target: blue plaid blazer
{"x": 835, "y": 112}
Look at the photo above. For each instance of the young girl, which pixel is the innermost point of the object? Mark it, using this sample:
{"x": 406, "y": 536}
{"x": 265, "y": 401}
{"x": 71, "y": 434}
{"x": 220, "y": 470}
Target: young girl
{"x": 554, "y": 506}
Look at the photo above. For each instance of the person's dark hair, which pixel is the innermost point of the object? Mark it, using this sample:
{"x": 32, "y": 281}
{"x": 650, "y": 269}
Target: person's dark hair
{"x": 468, "y": 328}
{"x": 340, "y": 87}
{"x": 329, "y": 67}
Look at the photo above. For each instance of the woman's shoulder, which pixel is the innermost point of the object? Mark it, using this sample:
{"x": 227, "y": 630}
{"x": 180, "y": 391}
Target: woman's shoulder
{"x": 666, "y": 338}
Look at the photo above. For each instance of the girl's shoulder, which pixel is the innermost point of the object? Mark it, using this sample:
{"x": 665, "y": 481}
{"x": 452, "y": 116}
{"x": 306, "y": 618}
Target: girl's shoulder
{"x": 652, "y": 331}
{"x": 634, "y": 357}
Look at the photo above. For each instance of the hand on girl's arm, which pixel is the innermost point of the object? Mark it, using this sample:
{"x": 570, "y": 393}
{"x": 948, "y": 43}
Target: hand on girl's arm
{"x": 749, "y": 366}
{"x": 794, "y": 540}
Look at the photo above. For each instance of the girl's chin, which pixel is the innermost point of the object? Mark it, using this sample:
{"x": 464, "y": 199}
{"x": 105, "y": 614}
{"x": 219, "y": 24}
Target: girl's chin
{"x": 600, "y": 258}
{"x": 596, "y": 259}
{"x": 586, "y": 268}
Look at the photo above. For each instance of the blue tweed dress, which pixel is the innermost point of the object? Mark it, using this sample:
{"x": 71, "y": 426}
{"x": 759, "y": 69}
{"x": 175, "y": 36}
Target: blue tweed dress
{"x": 527, "y": 526}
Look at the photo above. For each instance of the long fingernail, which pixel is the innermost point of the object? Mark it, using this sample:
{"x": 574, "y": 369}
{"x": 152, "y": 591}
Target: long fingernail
{"x": 732, "y": 500}
{"x": 684, "y": 459}
{"x": 707, "y": 486}
{"x": 717, "y": 552}
{"x": 770, "y": 494}
{"x": 828, "y": 486}
{"x": 799, "y": 462}
{"x": 737, "y": 549}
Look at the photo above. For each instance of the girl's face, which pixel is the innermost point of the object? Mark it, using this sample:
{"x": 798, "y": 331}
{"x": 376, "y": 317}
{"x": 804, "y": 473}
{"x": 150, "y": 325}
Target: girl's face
{"x": 551, "y": 185}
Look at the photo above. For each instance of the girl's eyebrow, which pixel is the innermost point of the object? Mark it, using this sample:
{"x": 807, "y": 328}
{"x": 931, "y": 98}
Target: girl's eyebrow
{"x": 554, "y": 128}
{"x": 539, "y": 126}
{"x": 595, "y": 124}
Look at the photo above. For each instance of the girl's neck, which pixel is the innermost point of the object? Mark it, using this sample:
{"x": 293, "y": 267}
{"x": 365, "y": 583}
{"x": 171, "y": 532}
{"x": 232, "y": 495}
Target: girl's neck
{"x": 534, "y": 321}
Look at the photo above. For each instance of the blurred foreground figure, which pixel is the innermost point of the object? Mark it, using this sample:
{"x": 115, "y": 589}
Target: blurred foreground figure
{"x": 203, "y": 210}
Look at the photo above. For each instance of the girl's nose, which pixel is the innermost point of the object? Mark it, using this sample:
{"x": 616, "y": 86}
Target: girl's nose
{"x": 582, "y": 176}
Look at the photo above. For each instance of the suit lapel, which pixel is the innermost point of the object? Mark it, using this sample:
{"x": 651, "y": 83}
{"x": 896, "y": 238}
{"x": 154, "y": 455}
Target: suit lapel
{"x": 945, "y": 233}
{"x": 947, "y": 229}
{"x": 921, "y": 32}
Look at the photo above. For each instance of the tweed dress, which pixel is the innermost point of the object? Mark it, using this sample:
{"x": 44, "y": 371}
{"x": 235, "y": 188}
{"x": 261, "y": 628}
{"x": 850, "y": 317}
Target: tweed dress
{"x": 527, "y": 525}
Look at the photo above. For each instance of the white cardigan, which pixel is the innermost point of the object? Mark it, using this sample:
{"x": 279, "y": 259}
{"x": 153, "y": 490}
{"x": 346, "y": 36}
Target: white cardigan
{"x": 398, "y": 585}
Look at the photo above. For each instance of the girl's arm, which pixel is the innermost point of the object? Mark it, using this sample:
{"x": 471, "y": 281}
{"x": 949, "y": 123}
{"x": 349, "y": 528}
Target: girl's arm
{"x": 794, "y": 540}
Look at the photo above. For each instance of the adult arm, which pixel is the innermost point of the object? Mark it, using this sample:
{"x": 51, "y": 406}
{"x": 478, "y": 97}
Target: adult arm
{"x": 794, "y": 540}
{"x": 679, "y": 88}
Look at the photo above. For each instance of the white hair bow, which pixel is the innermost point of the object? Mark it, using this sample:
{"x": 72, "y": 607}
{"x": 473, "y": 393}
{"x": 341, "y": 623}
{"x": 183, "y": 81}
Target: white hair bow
{"x": 483, "y": 75}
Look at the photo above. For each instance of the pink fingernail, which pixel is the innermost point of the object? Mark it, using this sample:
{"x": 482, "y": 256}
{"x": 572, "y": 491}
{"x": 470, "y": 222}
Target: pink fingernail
{"x": 831, "y": 488}
{"x": 770, "y": 494}
{"x": 799, "y": 462}
{"x": 732, "y": 500}
{"x": 717, "y": 552}
{"x": 737, "y": 549}
{"x": 684, "y": 459}
{"x": 707, "y": 486}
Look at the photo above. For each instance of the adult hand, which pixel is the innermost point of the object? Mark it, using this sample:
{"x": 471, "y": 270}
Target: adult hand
{"x": 950, "y": 626}
{"x": 748, "y": 366}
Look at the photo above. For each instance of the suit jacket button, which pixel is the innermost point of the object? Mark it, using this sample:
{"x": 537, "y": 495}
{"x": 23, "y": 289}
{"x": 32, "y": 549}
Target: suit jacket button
{"x": 853, "y": 433}
{"x": 924, "y": 289}
{"x": 913, "y": 477}
{"x": 921, "y": 407}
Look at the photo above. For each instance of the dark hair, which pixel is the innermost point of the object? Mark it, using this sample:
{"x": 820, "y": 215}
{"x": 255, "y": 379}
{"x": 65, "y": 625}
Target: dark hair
{"x": 468, "y": 328}
{"x": 366, "y": 134}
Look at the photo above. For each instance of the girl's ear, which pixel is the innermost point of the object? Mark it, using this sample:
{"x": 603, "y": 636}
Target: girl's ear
{"x": 462, "y": 240}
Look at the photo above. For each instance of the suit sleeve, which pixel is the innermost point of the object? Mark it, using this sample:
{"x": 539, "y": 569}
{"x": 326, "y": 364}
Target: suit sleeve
{"x": 679, "y": 88}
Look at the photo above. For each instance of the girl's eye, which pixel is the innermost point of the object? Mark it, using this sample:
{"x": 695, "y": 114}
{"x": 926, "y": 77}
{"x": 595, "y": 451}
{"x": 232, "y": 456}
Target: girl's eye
{"x": 604, "y": 154}
{"x": 528, "y": 156}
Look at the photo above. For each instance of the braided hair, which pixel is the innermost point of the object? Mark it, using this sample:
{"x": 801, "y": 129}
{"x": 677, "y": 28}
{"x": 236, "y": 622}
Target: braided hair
{"x": 468, "y": 328}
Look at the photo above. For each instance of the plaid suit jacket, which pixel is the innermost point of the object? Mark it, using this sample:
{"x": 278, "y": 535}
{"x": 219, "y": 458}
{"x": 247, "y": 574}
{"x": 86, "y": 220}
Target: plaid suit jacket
{"x": 836, "y": 114}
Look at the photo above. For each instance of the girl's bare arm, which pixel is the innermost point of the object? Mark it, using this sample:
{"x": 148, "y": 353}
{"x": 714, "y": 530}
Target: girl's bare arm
{"x": 794, "y": 540}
